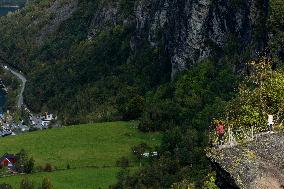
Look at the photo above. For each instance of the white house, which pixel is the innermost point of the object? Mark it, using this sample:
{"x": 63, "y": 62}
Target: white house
{"x": 48, "y": 117}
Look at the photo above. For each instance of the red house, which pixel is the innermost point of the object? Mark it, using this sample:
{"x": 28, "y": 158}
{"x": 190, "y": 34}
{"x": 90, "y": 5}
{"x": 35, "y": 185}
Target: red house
{"x": 8, "y": 160}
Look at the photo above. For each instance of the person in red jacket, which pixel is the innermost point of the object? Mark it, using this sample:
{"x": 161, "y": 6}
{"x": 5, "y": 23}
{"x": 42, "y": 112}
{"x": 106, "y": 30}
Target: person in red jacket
{"x": 220, "y": 130}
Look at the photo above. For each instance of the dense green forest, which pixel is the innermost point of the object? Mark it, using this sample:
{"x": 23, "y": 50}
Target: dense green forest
{"x": 89, "y": 80}
{"x": 102, "y": 75}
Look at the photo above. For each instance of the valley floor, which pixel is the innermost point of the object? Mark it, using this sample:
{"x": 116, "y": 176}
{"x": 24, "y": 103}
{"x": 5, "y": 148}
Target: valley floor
{"x": 90, "y": 150}
{"x": 81, "y": 178}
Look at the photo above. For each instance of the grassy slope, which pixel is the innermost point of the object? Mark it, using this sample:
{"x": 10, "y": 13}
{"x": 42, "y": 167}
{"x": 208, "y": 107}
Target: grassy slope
{"x": 98, "y": 145}
{"x": 85, "y": 178}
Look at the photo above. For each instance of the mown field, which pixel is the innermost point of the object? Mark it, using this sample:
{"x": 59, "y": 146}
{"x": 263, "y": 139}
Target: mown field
{"x": 82, "y": 178}
{"x": 97, "y": 145}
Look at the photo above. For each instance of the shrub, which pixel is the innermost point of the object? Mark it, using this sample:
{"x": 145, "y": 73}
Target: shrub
{"x": 24, "y": 164}
{"x": 5, "y": 186}
{"x": 29, "y": 166}
{"x": 26, "y": 184}
{"x": 123, "y": 162}
{"x": 48, "y": 167}
{"x": 46, "y": 184}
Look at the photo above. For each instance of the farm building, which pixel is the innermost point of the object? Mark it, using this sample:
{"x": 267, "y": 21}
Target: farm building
{"x": 9, "y": 161}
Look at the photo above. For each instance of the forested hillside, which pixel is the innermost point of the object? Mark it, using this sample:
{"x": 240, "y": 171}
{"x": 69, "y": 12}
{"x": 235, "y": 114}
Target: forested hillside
{"x": 106, "y": 55}
{"x": 103, "y": 74}
{"x": 173, "y": 65}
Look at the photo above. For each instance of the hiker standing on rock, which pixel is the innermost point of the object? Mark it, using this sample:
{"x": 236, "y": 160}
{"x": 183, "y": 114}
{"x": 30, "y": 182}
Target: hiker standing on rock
{"x": 270, "y": 123}
{"x": 220, "y": 130}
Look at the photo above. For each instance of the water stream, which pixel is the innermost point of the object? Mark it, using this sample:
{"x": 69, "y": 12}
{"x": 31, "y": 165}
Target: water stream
{"x": 10, "y": 6}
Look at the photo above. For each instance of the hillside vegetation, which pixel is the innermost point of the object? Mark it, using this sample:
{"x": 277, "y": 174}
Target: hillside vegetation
{"x": 103, "y": 75}
{"x": 86, "y": 62}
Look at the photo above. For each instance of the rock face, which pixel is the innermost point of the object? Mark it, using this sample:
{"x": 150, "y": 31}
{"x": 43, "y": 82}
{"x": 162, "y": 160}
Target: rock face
{"x": 60, "y": 12}
{"x": 255, "y": 165}
{"x": 193, "y": 29}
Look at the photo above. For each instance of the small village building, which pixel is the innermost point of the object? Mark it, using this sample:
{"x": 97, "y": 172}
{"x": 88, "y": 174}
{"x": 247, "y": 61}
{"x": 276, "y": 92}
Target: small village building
{"x": 9, "y": 161}
{"x": 48, "y": 117}
{"x": 6, "y": 132}
{"x": 24, "y": 128}
{"x": 150, "y": 154}
{"x": 41, "y": 122}
{"x": 146, "y": 154}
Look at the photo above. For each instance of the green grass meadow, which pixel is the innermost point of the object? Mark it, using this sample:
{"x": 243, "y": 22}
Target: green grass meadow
{"x": 82, "y": 178}
{"x": 91, "y": 150}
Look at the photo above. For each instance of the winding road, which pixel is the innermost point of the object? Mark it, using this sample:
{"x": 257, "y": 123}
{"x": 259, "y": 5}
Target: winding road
{"x": 23, "y": 84}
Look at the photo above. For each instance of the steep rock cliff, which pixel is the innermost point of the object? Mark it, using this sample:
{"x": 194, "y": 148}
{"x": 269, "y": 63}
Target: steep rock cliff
{"x": 191, "y": 30}
{"x": 255, "y": 165}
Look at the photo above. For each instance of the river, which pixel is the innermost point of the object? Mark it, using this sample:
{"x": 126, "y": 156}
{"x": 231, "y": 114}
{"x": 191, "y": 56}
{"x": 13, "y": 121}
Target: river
{"x": 10, "y": 6}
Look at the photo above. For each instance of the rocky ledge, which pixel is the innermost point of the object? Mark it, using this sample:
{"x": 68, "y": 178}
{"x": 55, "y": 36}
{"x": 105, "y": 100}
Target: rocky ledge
{"x": 258, "y": 164}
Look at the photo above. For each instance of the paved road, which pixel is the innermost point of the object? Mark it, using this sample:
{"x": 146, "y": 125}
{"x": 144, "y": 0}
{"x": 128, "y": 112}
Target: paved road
{"x": 23, "y": 84}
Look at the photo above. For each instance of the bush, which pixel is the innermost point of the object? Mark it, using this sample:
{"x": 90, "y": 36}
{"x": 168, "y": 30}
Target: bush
{"x": 26, "y": 184}
{"x": 46, "y": 184}
{"x": 123, "y": 162}
{"x": 29, "y": 166}
{"x": 5, "y": 186}
{"x": 24, "y": 164}
{"x": 261, "y": 94}
{"x": 48, "y": 167}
